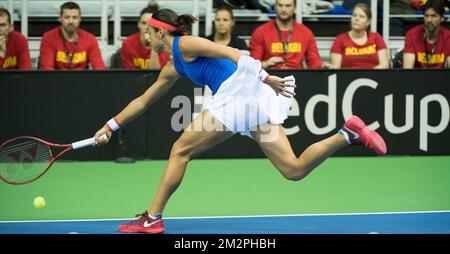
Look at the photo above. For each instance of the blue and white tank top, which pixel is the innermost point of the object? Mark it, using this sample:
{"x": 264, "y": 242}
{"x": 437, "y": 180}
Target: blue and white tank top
{"x": 203, "y": 70}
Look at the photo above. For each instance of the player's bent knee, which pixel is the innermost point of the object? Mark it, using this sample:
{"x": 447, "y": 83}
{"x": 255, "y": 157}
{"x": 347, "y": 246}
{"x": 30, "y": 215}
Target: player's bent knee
{"x": 293, "y": 173}
{"x": 183, "y": 151}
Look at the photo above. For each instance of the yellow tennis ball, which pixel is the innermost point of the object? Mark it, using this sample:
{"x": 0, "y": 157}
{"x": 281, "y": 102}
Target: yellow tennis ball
{"x": 39, "y": 202}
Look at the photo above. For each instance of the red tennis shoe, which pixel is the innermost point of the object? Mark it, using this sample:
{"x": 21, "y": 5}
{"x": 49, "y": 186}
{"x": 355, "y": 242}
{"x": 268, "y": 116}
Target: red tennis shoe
{"x": 360, "y": 134}
{"x": 144, "y": 224}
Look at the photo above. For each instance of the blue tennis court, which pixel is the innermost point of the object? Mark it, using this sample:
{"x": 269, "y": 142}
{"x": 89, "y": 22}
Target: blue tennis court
{"x": 435, "y": 222}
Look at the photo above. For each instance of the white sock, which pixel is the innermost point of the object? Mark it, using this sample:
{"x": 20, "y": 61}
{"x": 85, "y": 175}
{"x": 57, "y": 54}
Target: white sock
{"x": 347, "y": 138}
{"x": 153, "y": 217}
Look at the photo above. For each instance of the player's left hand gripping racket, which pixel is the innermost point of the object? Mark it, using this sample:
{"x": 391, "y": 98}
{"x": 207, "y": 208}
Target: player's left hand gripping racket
{"x": 25, "y": 159}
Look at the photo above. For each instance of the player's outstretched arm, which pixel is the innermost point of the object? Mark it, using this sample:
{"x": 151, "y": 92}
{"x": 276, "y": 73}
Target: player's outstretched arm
{"x": 166, "y": 79}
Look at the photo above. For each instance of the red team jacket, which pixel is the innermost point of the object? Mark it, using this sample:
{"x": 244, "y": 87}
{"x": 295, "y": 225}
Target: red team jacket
{"x": 136, "y": 56}
{"x": 53, "y": 54}
{"x": 426, "y": 57}
{"x": 17, "y": 55}
{"x": 358, "y": 56}
{"x": 265, "y": 43}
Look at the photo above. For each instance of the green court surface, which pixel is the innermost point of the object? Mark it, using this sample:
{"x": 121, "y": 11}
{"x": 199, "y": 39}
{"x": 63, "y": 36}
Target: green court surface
{"x": 233, "y": 187}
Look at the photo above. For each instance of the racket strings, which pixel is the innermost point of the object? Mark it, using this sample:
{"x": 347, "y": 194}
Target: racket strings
{"x": 17, "y": 147}
{"x": 24, "y": 160}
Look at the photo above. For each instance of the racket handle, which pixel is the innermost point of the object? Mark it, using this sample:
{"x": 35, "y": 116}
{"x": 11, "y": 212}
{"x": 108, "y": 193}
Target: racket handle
{"x": 87, "y": 142}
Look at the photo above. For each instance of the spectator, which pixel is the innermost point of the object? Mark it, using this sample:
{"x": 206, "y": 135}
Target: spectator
{"x": 427, "y": 45}
{"x": 283, "y": 43}
{"x": 14, "y": 52}
{"x": 224, "y": 23}
{"x": 136, "y": 51}
{"x": 360, "y": 48}
{"x": 68, "y": 46}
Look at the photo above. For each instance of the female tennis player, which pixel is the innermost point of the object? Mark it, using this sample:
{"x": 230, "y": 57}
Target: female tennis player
{"x": 246, "y": 99}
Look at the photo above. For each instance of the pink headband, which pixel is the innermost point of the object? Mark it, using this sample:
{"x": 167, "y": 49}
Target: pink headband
{"x": 159, "y": 24}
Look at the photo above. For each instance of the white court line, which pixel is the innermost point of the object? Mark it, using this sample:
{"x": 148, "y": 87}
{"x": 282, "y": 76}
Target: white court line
{"x": 242, "y": 216}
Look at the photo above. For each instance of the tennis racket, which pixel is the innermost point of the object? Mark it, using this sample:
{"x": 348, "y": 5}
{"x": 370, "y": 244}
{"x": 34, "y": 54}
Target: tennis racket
{"x": 24, "y": 159}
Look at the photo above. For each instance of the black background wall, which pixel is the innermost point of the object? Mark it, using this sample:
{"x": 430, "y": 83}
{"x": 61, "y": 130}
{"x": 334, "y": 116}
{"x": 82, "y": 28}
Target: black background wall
{"x": 63, "y": 107}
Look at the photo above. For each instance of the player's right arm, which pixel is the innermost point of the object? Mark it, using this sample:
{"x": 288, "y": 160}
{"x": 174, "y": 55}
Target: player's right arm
{"x": 166, "y": 80}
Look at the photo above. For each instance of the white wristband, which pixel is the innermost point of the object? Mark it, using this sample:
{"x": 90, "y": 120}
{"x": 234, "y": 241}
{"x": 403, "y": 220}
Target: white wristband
{"x": 263, "y": 75}
{"x": 113, "y": 124}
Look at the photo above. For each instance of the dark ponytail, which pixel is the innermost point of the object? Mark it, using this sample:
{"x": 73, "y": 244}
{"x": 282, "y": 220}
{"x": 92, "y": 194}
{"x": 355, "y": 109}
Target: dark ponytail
{"x": 182, "y": 22}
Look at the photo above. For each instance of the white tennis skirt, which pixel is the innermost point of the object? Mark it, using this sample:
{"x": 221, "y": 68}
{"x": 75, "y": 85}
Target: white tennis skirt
{"x": 244, "y": 102}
